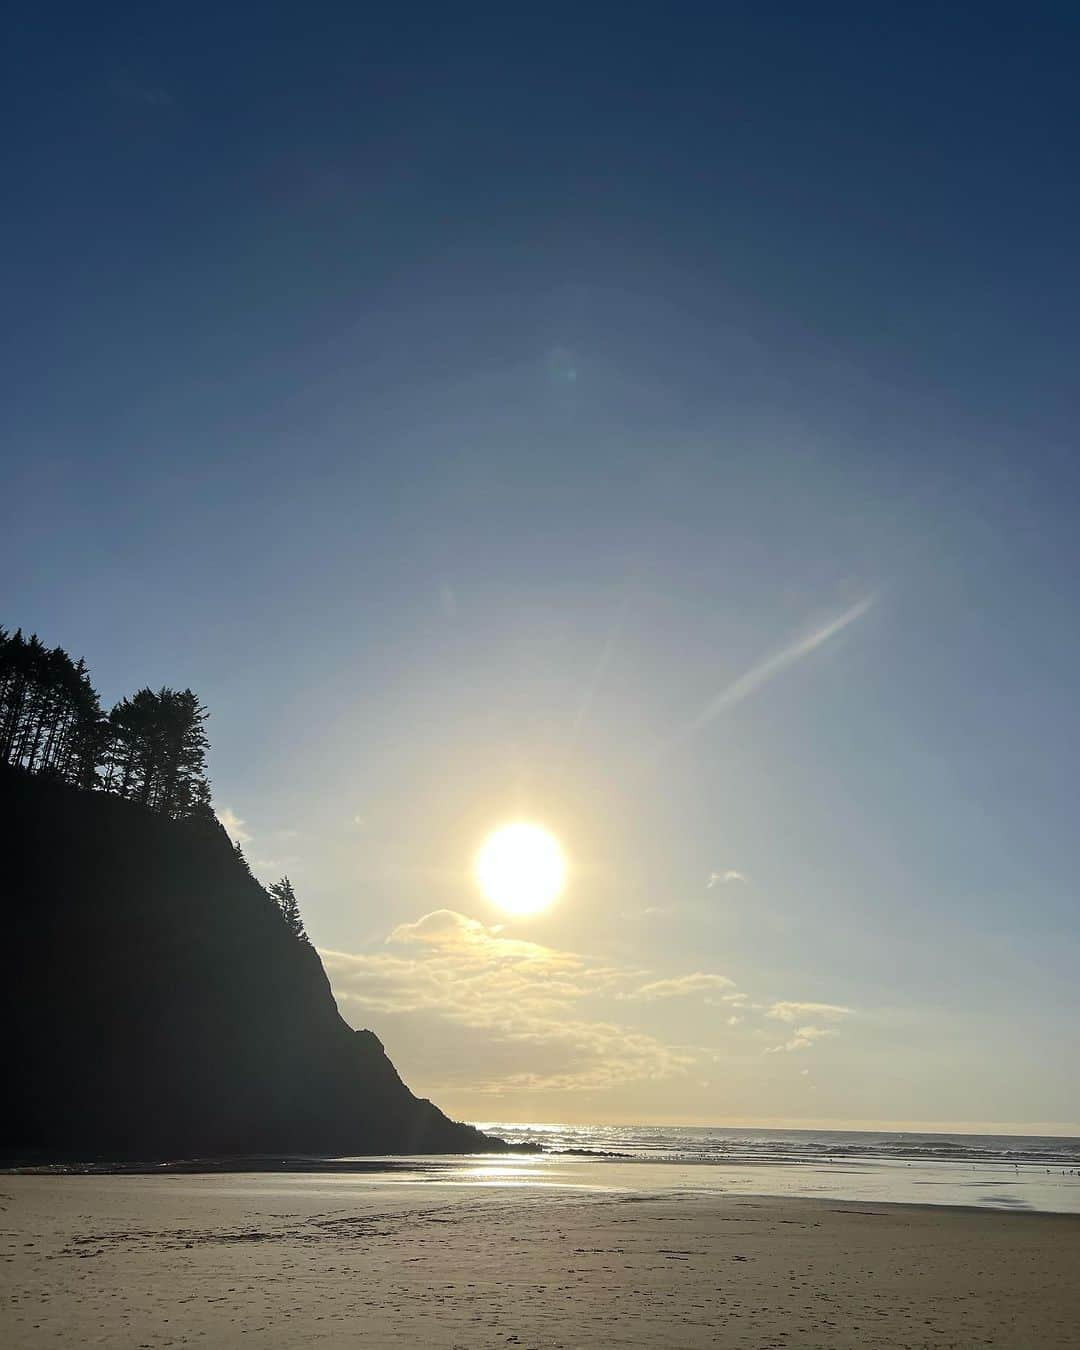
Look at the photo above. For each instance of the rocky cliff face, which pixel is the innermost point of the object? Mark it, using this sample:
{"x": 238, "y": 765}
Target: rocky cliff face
{"x": 153, "y": 1005}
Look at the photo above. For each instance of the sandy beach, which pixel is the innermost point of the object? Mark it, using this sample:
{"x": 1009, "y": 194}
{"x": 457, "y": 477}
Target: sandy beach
{"x": 297, "y": 1260}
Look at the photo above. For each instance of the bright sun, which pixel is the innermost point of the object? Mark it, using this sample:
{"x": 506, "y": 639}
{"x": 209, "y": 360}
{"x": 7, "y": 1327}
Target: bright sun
{"x": 521, "y": 868}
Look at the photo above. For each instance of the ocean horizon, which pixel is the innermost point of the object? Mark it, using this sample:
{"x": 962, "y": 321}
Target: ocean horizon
{"x": 1018, "y": 1172}
{"x": 747, "y": 1143}
{"x": 996, "y": 1171}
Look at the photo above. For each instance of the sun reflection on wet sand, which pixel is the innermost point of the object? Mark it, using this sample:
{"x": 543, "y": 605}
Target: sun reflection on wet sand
{"x": 532, "y": 1171}
{"x": 992, "y": 1185}
{"x": 870, "y": 1180}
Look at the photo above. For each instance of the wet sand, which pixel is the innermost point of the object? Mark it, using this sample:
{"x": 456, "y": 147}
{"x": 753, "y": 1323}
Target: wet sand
{"x": 295, "y": 1260}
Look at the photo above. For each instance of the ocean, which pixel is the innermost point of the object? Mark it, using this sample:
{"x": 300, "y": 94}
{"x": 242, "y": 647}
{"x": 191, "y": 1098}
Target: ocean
{"x": 687, "y": 1143}
{"x": 984, "y": 1171}
{"x": 1004, "y": 1171}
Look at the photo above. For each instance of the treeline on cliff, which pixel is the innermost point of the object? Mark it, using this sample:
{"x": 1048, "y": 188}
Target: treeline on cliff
{"x": 149, "y": 748}
{"x": 156, "y": 1001}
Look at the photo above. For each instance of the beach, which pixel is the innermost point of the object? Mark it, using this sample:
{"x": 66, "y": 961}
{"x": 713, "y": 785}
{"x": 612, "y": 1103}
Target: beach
{"x": 301, "y": 1259}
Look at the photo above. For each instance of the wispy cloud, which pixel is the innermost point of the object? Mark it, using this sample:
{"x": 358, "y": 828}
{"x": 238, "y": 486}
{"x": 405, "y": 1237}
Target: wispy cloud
{"x": 232, "y": 824}
{"x": 789, "y": 1011}
{"x": 803, "y": 1038}
{"x": 752, "y": 681}
{"x": 723, "y": 879}
{"x": 792, "y": 1011}
{"x": 540, "y": 1018}
{"x": 680, "y": 986}
{"x": 514, "y": 992}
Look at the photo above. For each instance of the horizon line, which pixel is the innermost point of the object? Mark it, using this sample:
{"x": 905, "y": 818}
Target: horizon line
{"x": 1036, "y": 1129}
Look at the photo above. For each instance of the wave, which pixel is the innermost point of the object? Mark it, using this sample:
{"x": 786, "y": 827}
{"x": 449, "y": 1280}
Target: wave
{"x": 734, "y": 1145}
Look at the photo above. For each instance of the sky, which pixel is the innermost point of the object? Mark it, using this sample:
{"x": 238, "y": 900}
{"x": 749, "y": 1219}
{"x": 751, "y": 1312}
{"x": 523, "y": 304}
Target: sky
{"x": 654, "y": 422}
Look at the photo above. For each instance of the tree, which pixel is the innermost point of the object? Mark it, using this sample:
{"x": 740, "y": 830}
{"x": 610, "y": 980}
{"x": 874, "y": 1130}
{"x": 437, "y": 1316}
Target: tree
{"x": 150, "y": 749}
{"x": 50, "y": 717}
{"x": 285, "y": 896}
{"x": 157, "y": 752}
{"x": 184, "y": 789}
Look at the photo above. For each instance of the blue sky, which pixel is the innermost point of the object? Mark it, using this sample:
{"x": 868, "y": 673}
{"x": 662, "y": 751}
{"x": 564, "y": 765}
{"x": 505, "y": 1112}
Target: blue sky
{"x": 462, "y": 401}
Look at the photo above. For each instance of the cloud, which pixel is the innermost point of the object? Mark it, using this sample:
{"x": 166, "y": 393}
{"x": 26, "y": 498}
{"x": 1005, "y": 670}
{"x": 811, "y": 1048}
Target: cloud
{"x": 232, "y": 824}
{"x": 472, "y": 943}
{"x": 792, "y": 1012}
{"x": 516, "y": 992}
{"x": 760, "y": 674}
{"x": 526, "y": 1017}
{"x": 597, "y": 1055}
{"x": 441, "y": 926}
{"x": 722, "y": 879}
{"x": 802, "y": 1040}
{"x": 681, "y": 985}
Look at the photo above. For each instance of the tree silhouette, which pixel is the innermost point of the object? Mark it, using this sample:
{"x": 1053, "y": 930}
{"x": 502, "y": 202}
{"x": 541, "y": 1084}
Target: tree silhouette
{"x": 50, "y": 717}
{"x": 283, "y": 893}
{"x": 156, "y": 753}
{"x": 239, "y": 852}
{"x": 150, "y": 749}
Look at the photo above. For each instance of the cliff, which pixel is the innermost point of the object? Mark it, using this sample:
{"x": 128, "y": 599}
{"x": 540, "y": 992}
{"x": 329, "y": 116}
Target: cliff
{"x": 153, "y": 1005}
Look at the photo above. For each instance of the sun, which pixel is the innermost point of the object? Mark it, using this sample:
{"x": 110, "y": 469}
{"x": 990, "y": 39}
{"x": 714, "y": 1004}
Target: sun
{"x": 521, "y": 868}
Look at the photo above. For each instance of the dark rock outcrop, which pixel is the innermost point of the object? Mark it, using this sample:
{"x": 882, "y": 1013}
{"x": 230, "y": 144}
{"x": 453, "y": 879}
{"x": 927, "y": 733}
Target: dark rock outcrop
{"x": 153, "y": 1005}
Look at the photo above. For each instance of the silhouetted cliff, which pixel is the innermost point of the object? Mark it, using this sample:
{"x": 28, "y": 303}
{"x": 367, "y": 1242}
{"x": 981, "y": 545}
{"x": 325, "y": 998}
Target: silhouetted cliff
{"x": 153, "y": 1003}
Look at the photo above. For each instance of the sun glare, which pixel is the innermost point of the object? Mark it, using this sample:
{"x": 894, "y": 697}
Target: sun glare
{"x": 521, "y": 868}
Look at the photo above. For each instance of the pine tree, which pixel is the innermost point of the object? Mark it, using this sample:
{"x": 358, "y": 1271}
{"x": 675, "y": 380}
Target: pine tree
{"x": 150, "y": 749}
{"x": 50, "y": 718}
{"x": 157, "y": 752}
{"x": 285, "y": 896}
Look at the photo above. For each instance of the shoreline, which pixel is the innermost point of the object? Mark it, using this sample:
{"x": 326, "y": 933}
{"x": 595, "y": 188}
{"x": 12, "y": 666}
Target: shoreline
{"x": 929, "y": 1184}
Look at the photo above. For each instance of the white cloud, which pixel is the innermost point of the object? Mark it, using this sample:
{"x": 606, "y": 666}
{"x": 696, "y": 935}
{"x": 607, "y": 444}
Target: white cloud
{"x": 533, "y": 1016}
{"x": 441, "y": 926}
{"x": 232, "y": 824}
{"x": 681, "y": 985}
{"x": 792, "y": 1012}
{"x": 803, "y": 1038}
{"x": 457, "y": 969}
{"x": 723, "y": 879}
